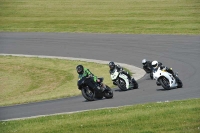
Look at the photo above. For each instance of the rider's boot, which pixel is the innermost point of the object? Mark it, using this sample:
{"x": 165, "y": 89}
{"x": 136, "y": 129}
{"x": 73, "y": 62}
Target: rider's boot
{"x": 151, "y": 75}
{"x": 129, "y": 77}
{"x": 175, "y": 75}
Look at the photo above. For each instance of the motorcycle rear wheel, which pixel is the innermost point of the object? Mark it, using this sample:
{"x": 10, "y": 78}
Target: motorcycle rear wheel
{"x": 135, "y": 84}
{"x": 179, "y": 82}
{"x": 108, "y": 93}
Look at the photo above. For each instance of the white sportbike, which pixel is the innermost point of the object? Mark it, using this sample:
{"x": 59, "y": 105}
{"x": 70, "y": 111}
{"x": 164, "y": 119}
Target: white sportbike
{"x": 166, "y": 80}
{"x": 122, "y": 81}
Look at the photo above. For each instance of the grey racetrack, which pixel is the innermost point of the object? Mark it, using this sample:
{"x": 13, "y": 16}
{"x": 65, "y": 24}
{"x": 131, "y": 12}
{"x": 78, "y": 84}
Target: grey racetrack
{"x": 181, "y": 52}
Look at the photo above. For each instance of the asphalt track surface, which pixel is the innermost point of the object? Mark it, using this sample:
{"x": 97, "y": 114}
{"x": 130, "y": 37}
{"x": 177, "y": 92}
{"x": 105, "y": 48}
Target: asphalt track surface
{"x": 181, "y": 52}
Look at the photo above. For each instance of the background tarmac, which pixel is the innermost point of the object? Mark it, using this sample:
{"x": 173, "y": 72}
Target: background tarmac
{"x": 181, "y": 52}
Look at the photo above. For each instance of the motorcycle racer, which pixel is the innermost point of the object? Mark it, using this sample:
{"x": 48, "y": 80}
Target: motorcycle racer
{"x": 113, "y": 66}
{"x": 155, "y": 64}
{"x": 148, "y": 67}
{"x": 84, "y": 72}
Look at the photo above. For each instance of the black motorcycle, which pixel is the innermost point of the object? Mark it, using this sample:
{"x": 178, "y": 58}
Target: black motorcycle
{"x": 91, "y": 94}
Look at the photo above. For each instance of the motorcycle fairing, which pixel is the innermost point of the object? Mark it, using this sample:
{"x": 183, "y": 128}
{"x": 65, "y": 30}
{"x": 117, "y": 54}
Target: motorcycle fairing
{"x": 125, "y": 77}
{"x": 162, "y": 73}
{"x": 114, "y": 75}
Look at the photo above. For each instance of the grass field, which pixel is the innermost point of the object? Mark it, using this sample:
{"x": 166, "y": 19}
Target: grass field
{"x": 24, "y": 80}
{"x": 105, "y": 16}
{"x": 165, "y": 117}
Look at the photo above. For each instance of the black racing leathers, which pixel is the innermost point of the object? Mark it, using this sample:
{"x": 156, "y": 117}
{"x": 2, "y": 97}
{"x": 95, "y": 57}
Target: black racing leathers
{"x": 148, "y": 67}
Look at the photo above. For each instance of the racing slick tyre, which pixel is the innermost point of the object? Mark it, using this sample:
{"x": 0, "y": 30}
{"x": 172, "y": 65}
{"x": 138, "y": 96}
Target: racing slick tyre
{"x": 165, "y": 83}
{"x": 88, "y": 94}
{"x": 108, "y": 93}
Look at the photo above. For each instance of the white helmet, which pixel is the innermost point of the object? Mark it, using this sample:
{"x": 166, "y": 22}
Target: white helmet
{"x": 154, "y": 64}
{"x": 144, "y": 61}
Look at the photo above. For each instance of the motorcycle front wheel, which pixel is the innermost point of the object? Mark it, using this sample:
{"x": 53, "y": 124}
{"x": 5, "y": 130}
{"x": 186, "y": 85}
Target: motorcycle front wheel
{"x": 165, "y": 83}
{"x": 88, "y": 94}
{"x": 122, "y": 85}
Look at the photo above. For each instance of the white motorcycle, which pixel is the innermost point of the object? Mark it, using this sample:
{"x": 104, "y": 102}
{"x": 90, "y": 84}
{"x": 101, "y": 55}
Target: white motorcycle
{"x": 166, "y": 80}
{"x": 122, "y": 81}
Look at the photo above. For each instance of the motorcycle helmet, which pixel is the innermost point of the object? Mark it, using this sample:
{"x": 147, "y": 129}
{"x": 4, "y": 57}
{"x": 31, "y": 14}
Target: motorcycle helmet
{"x": 144, "y": 61}
{"x": 154, "y": 64}
{"x": 111, "y": 65}
{"x": 79, "y": 69}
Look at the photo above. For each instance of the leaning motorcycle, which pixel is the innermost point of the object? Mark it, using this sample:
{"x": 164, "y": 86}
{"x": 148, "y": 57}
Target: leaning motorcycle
{"x": 166, "y": 80}
{"x": 122, "y": 81}
{"x": 89, "y": 93}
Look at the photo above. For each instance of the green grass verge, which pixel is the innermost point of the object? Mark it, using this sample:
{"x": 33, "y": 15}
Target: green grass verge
{"x": 166, "y": 117}
{"x": 113, "y": 16}
{"x": 24, "y": 80}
